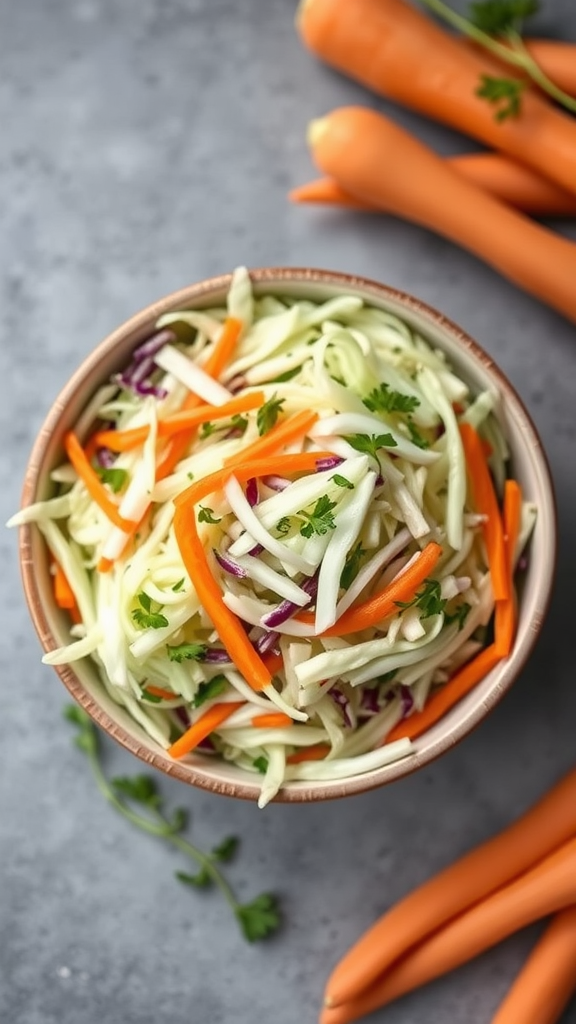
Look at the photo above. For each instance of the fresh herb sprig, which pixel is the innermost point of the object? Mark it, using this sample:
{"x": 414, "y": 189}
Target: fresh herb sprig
{"x": 257, "y": 919}
{"x": 320, "y": 519}
{"x": 505, "y": 94}
{"x": 268, "y": 414}
{"x": 496, "y": 26}
{"x": 383, "y": 399}
{"x": 147, "y": 616}
{"x": 115, "y": 477}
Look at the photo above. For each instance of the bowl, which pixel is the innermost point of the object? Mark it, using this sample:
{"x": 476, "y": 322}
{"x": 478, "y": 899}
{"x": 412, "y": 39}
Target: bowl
{"x": 474, "y": 366}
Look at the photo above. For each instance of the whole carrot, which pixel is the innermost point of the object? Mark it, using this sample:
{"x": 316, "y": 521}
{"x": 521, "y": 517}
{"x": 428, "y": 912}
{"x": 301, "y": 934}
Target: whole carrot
{"x": 548, "y": 824}
{"x": 380, "y": 163}
{"x": 548, "y": 979}
{"x": 400, "y": 53}
{"x": 547, "y": 888}
{"x": 511, "y": 182}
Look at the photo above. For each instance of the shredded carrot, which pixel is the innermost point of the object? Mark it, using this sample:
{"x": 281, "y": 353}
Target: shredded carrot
{"x": 228, "y": 625}
{"x": 104, "y": 564}
{"x": 274, "y": 720}
{"x": 273, "y": 662}
{"x": 125, "y": 440}
{"x": 505, "y": 614}
{"x": 63, "y": 592}
{"x": 246, "y": 468}
{"x": 157, "y": 691}
{"x": 385, "y": 602}
{"x": 213, "y": 366}
{"x": 93, "y": 485}
{"x": 487, "y": 504}
{"x": 282, "y": 434}
{"x": 197, "y": 732}
{"x": 315, "y": 753}
{"x": 440, "y": 702}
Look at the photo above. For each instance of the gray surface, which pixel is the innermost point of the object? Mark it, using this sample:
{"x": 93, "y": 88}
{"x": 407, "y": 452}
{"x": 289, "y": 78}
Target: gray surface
{"x": 147, "y": 144}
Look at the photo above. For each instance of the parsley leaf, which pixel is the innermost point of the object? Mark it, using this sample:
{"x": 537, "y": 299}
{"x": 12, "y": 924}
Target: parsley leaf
{"x": 352, "y": 566}
{"x": 287, "y": 375}
{"x": 145, "y": 617}
{"x": 259, "y": 918}
{"x": 200, "y": 880}
{"x": 320, "y": 520}
{"x": 261, "y": 764}
{"x": 459, "y": 615}
{"x": 503, "y": 93}
{"x": 226, "y": 849}
{"x": 429, "y": 599}
{"x": 268, "y": 414}
{"x": 416, "y": 437}
{"x": 186, "y": 652}
{"x": 207, "y": 429}
{"x": 116, "y": 478}
{"x": 369, "y": 444}
{"x": 342, "y": 481}
{"x": 283, "y": 525}
{"x": 213, "y": 688}
{"x": 139, "y": 788}
{"x": 239, "y": 422}
{"x": 497, "y": 17}
{"x": 206, "y": 515}
{"x": 382, "y": 399}
{"x": 178, "y": 586}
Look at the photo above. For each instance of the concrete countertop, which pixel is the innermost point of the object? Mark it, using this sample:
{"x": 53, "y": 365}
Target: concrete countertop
{"x": 145, "y": 145}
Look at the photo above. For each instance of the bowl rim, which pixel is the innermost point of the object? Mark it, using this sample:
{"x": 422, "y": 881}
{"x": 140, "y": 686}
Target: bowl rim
{"x": 268, "y": 278}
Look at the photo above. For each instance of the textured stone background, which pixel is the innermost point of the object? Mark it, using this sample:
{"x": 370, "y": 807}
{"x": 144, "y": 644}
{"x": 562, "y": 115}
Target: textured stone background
{"x": 147, "y": 144}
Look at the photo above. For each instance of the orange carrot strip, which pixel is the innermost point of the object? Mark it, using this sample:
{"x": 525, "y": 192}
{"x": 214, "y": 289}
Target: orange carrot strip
{"x": 543, "y": 988}
{"x": 273, "y": 662}
{"x": 213, "y": 366}
{"x": 63, "y": 592}
{"x": 545, "y": 826}
{"x": 158, "y": 691}
{"x": 385, "y": 602}
{"x": 246, "y": 468}
{"x": 506, "y": 612}
{"x": 229, "y": 627}
{"x": 486, "y": 503}
{"x": 93, "y": 485}
{"x": 440, "y": 702}
{"x": 280, "y": 435}
{"x": 315, "y": 753}
{"x": 197, "y": 732}
{"x": 104, "y": 564}
{"x": 274, "y": 720}
{"x": 125, "y": 440}
{"x": 546, "y": 888}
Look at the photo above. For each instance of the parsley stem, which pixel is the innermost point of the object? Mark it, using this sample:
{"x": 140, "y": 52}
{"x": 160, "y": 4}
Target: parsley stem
{"x": 518, "y": 55}
{"x": 108, "y": 793}
{"x": 205, "y": 862}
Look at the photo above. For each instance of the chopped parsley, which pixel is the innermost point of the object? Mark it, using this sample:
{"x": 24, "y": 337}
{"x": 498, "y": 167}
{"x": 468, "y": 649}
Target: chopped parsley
{"x": 320, "y": 520}
{"x": 498, "y": 17}
{"x": 369, "y": 444}
{"x": 186, "y": 652}
{"x": 261, "y": 764}
{"x": 206, "y": 515}
{"x": 283, "y": 525}
{"x": 178, "y": 586}
{"x": 382, "y": 399}
{"x": 115, "y": 478}
{"x": 213, "y": 688}
{"x": 352, "y": 566}
{"x": 416, "y": 437}
{"x": 429, "y": 599}
{"x": 239, "y": 423}
{"x": 342, "y": 481}
{"x": 145, "y": 616}
{"x": 459, "y": 615}
{"x": 505, "y": 95}
{"x": 207, "y": 429}
{"x": 268, "y": 414}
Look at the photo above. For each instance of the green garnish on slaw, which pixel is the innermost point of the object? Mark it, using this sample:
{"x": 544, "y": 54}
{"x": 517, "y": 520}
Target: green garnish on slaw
{"x": 290, "y": 555}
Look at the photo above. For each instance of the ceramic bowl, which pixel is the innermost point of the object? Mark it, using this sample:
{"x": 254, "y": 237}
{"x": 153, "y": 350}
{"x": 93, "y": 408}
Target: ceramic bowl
{"x": 469, "y": 360}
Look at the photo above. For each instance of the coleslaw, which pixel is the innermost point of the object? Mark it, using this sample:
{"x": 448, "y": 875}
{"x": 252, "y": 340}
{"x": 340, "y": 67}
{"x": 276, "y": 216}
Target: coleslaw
{"x": 280, "y": 562}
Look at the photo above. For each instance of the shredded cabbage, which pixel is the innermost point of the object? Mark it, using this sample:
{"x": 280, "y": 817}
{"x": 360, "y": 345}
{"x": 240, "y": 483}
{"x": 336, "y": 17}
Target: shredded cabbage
{"x": 290, "y": 555}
